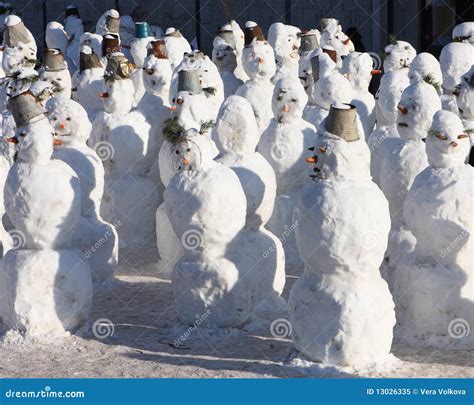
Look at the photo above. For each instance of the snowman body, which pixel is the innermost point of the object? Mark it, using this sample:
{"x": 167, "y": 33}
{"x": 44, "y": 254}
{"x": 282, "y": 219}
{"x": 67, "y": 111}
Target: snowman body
{"x": 138, "y": 49}
{"x": 96, "y": 239}
{"x": 87, "y": 85}
{"x": 121, "y": 137}
{"x": 286, "y": 42}
{"x": 259, "y": 63}
{"x": 61, "y": 81}
{"x": 342, "y": 235}
{"x": 43, "y": 201}
{"x": 284, "y": 144}
{"x": 407, "y": 158}
{"x": 176, "y": 47}
{"x": 207, "y": 207}
{"x": 236, "y": 135}
{"x": 434, "y": 284}
{"x": 225, "y": 58}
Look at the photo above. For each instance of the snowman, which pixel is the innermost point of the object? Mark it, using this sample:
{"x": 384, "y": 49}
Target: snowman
{"x": 108, "y": 23}
{"x": 139, "y": 51}
{"x": 190, "y": 114}
{"x": 94, "y": 42}
{"x": 176, "y": 45}
{"x": 434, "y": 289}
{"x": 95, "y": 238}
{"x": 55, "y": 71}
{"x": 401, "y": 165}
{"x": 309, "y": 44}
{"x": 155, "y": 103}
{"x": 73, "y": 26}
{"x": 56, "y": 37}
{"x": 239, "y": 40}
{"x": 236, "y": 134}
{"x": 341, "y": 310}
{"x": 385, "y": 136}
{"x": 398, "y": 55}
{"x": 464, "y": 32}
{"x": 45, "y": 284}
{"x": 258, "y": 61}
{"x": 285, "y": 41}
{"x": 426, "y": 67}
{"x": 334, "y": 39}
{"x": 456, "y": 59}
{"x": 88, "y": 81}
{"x": 19, "y": 45}
{"x": 357, "y": 67}
{"x": 206, "y": 206}
{"x": 465, "y": 103}
{"x": 284, "y": 144}
{"x": 121, "y": 137}
{"x": 225, "y": 58}
{"x": 329, "y": 87}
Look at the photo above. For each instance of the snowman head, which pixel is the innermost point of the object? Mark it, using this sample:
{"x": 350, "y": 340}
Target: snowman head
{"x": 340, "y": 151}
{"x": 157, "y": 75}
{"x": 209, "y": 75}
{"x": 289, "y": 100}
{"x": 447, "y": 145}
{"x": 425, "y": 67}
{"x": 187, "y": 155}
{"x": 239, "y": 36}
{"x": 391, "y": 88}
{"x": 416, "y": 108}
{"x": 285, "y": 41}
{"x": 455, "y": 59}
{"x": 333, "y": 88}
{"x": 223, "y": 55}
{"x": 22, "y": 55}
{"x": 465, "y": 99}
{"x": 258, "y": 60}
{"x": 236, "y": 129}
{"x": 357, "y": 68}
{"x": 398, "y": 56}
{"x": 138, "y": 51}
{"x": 464, "y": 32}
{"x": 69, "y": 120}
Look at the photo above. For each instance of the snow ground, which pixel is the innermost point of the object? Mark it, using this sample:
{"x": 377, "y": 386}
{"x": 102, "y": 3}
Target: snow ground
{"x": 139, "y": 303}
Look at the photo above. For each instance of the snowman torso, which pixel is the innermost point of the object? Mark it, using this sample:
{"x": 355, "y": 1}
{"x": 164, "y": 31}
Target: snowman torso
{"x": 88, "y": 85}
{"x": 259, "y": 94}
{"x": 61, "y": 80}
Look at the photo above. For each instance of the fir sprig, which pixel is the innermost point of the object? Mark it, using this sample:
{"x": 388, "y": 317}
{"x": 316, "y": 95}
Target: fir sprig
{"x": 173, "y": 132}
{"x": 206, "y": 126}
{"x": 430, "y": 79}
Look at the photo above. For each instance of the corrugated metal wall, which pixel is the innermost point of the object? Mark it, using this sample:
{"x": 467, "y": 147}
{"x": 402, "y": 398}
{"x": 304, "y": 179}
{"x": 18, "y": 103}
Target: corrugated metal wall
{"x": 181, "y": 14}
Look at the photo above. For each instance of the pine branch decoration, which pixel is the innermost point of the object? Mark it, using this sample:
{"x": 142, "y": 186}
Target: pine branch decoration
{"x": 210, "y": 91}
{"x": 430, "y": 79}
{"x": 173, "y": 132}
{"x": 206, "y": 126}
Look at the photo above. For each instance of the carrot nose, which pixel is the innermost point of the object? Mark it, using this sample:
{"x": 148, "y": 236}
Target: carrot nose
{"x": 149, "y": 71}
{"x": 261, "y": 60}
{"x": 172, "y": 108}
{"x": 185, "y": 161}
{"x": 346, "y": 41}
{"x": 13, "y": 140}
{"x": 402, "y": 109}
{"x": 286, "y": 108}
{"x": 62, "y": 126}
{"x": 375, "y": 72}
{"x": 312, "y": 159}
{"x": 104, "y": 94}
{"x": 454, "y": 144}
{"x": 57, "y": 142}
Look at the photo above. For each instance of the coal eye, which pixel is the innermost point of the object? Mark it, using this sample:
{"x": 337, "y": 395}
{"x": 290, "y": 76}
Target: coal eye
{"x": 279, "y": 98}
{"x": 55, "y": 119}
{"x": 58, "y": 79}
{"x": 294, "y": 100}
{"x": 68, "y": 119}
{"x": 22, "y": 134}
{"x": 177, "y": 152}
{"x": 463, "y": 136}
{"x": 441, "y": 136}
{"x": 188, "y": 150}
